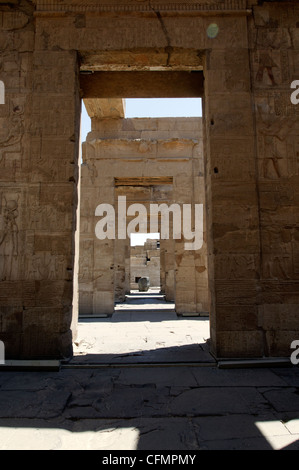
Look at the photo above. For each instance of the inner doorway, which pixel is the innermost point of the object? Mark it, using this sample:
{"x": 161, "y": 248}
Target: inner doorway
{"x": 145, "y": 263}
{"x": 173, "y": 142}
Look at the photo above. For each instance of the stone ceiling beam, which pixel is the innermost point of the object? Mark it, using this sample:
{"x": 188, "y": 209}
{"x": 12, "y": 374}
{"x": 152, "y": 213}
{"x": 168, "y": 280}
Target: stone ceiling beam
{"x": 142, "y": 84}
{"x": 105, "y": 108}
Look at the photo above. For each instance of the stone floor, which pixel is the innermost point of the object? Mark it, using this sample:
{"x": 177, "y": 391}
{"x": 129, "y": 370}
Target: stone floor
{"x": 150, "y": 408}
{"x": 144, "y": 329}
{"x": 121, "y": 402}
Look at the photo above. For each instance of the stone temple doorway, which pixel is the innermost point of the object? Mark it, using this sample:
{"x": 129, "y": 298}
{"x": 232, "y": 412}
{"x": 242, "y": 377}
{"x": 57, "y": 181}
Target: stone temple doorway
{"x": 234, "y": 53}
{"x": 145, "y": 262}
{"x": 132, "y": 162}
{"x": 143, "y": 161}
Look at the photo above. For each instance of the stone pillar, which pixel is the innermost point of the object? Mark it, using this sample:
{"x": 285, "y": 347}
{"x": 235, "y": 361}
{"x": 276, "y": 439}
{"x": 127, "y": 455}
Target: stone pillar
{"x": 232, "y": 200}
{"x": 55, "y": 134}
{"x": 17, "y": 287}
{"x": 274, "y": 51}
{"x": 191, "y": 288}
{"x": 96, "y": 275}
{"x": 200, "y": 256}
{"x": 103, "y": 282}
{"x": 39, "y": 177}
{"x": 169, "y": 269}
{"x": 127, "y": 270}
{"x": 121, "y": 248}
{"x": 162, "y": 268}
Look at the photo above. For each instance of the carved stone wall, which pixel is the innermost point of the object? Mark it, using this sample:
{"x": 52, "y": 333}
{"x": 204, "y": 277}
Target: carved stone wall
{"x": 147, "y": 161}
{"x": 274, "y": 43}
{"x": 145, "y": 262}
{"x": 38, "y": 176}
{"x": 248, "y": 51}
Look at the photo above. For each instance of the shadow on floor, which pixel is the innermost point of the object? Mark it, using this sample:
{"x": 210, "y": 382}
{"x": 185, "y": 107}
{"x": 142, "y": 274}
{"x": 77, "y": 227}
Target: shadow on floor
{"x": 149, "y": 408}
{"x": 187, "y": 354}
{"x": 143, "y": 329}
{"x": 114, "y": 401}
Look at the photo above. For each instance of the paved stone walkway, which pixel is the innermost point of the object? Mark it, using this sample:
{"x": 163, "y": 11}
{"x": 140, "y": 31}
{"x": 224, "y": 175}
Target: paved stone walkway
{"x": 151, "y": 408}
{"x": 109, "y": 398}
{"x": 144, "y": 329}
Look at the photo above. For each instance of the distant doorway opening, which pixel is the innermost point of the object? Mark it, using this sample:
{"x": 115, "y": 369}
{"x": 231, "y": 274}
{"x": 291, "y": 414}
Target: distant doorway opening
{"x": 145, "y": 265}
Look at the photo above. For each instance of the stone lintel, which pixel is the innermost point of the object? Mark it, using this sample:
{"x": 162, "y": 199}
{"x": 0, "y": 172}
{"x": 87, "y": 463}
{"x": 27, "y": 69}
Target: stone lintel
{"x": 105, "y": 108}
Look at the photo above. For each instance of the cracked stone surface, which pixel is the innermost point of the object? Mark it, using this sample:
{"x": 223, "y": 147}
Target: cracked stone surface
{"x": 91, "y": 405}
{"x": 150, "y": 408}
{"x": 146, "y": 332}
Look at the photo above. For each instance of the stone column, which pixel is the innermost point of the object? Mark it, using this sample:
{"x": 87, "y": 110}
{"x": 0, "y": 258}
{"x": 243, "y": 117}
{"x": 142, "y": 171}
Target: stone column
{"x": 162, "y": 267}
{"x": 96, "y": 256}
{"x": 232, "y": 201}
{"x": 127, "y": 270}
{"x": 169, "y": 264}
{"x": 39, "y": 204}
{"x": 121, "y": 248}
{"x": 18, "y": 191}
{"x": 200, "y": 256}
{"x": 274, "y": 51}
{"x": 190, "y": 266}
{"x": 55, "y": 134}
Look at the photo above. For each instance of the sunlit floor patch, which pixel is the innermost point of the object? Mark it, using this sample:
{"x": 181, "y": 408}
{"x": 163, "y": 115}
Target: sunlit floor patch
{"x": 62, "y": 439}
{"x": 277, "y": 433}
{"x": 145, "y": 328}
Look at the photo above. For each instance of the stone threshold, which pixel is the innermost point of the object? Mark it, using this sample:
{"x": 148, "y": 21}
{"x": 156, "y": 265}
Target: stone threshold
{"x": 194, "y": 314}
{"x": 56, "y": 365}
{"x": 99, "y": 315}
{"x": 135, "y": 365}
{"x": 31, "y": 365}
{"x": 254, "y": 363}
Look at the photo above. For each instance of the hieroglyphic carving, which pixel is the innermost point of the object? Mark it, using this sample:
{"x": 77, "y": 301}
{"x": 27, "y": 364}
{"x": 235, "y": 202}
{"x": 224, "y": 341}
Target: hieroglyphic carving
{"x": 295, "y": 258}
{"x": 92, "y": 169}
{"x": 141, "y": 6}
{"x": 11, "y": 134}
{"x": 265, "y": 64}
{"x": 9, "y": 230}
{"x": 274, "y": 163}
{"x": 277, "y": 267}
{"x": 277, "y": 127}
{"x": 86, "y": 261}
{"x": 46, "y": 266}
{"x": 13, "y": 20}
{"x": 285, "y": 67}
{"x": 271, "y": 56}
{"x": 277, "y": 260}
{"x": 236, "y": 267}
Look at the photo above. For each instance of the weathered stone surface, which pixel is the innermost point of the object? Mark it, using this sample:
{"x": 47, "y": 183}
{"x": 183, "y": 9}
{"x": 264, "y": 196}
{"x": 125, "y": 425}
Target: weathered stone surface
{"x": 143, "y": 284}
{"x": 248, "y": 62}
{"x": 213, "y": 409}
{"x": 169, "y": 169}
{"x": 145, "y": 262}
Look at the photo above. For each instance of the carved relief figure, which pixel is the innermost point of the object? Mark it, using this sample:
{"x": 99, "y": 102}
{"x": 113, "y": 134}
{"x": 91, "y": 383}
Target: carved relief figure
{"x": 8, "y": 238}
{"x": 11, "y": 135}
{"x": 275, "y": 128}
{"x": 273, "y": 163}
{"x": 265, "y": 64}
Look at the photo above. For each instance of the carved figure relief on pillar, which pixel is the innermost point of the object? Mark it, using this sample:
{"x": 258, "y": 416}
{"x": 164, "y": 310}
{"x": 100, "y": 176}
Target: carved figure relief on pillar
{"x": 8, "y": 237}
{"x": 277, "y": 131}
{"x": 265, "y": 66}
{"x": 11, "y": 136}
